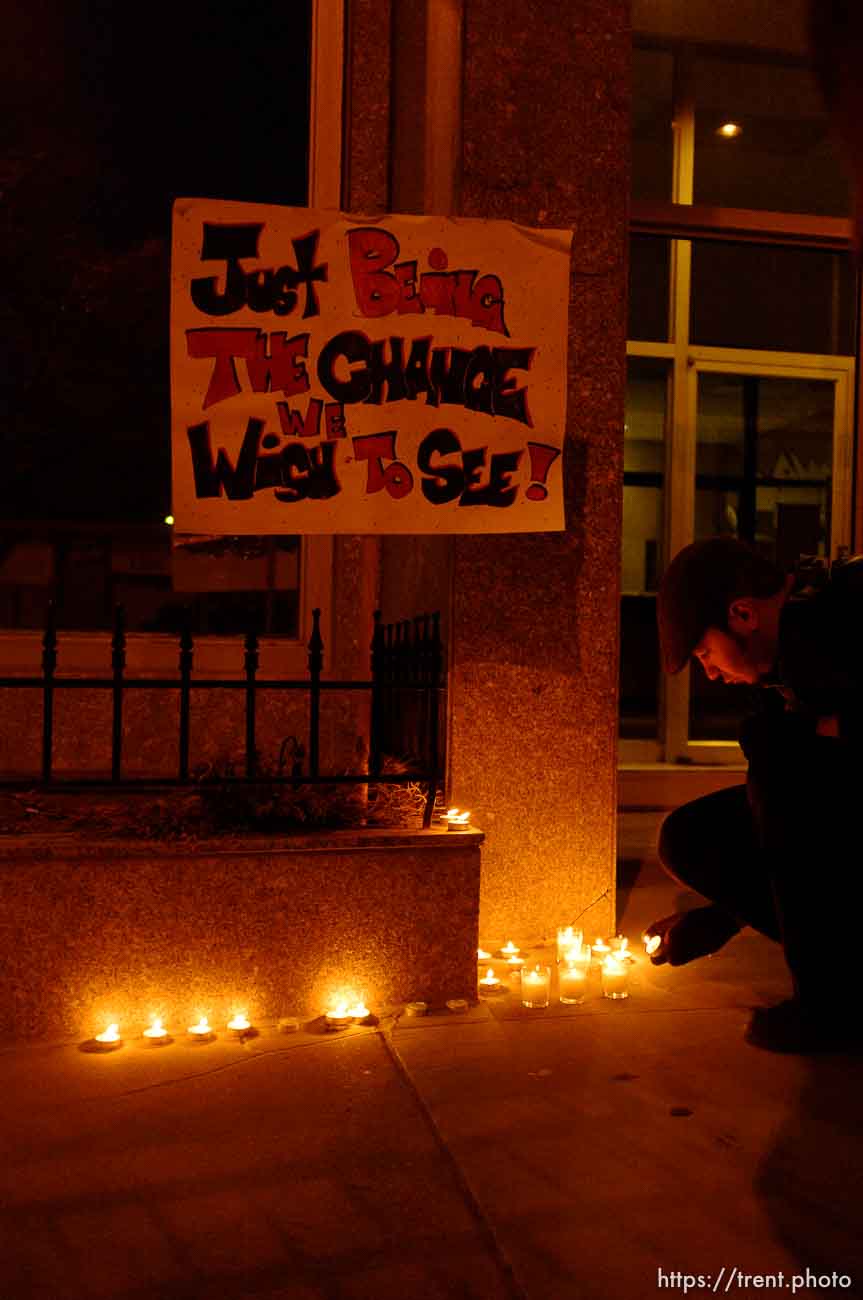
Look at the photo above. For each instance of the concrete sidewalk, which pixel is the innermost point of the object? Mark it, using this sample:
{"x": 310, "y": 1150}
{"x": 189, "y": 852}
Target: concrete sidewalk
{"x": 569, "y": 1152}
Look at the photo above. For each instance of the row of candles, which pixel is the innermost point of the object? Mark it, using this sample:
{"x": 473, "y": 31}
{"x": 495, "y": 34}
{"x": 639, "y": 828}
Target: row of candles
{"x": 574, "y": 959}
{"x": 239, "y": 1026}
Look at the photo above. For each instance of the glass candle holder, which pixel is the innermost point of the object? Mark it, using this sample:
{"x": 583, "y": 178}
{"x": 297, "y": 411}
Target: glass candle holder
{"x": 568, "y": 939}
{"x": 573, "y": 983}
{"x": 536, "y": 986}
{"x": 580, "y": 957}
{"x": 615, "y": 979}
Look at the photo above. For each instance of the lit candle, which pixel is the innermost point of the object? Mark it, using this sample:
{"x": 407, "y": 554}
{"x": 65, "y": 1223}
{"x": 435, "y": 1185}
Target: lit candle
{"x": 109, "y": 1039}
{"x": 156, "y": 1034}
{"x": 573, "y": 983}
{"x": 489, "y": 983}
{"x": 620, "y": 949}
{"x": 568, "y": 939}
{"x": 535, "y": 986}
{"x": 579, "y": 957}
{"x": 201, "y": 1032}
{"x": 509, "y": 949}
{"x": 515, "y": 964}
{"x": 601, "y": 949}
{"x": 359, "y": 1011}
{"x": 239, "y": 1025}
{"x": 339, "y": 1017}
{"x": 615, "y": 979}
{"x": 652, "y": 942}
{"x": 456, "y": 820}
{"x": 482, "y": 955}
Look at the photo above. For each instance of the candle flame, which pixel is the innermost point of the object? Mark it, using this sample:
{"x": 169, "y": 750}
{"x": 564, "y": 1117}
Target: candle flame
{"x": 202, "y": 1027}
{"x": 155, "y": 1029}
{"x": 652, "y": 942}
{"x": 482, "y": 955}
{"x": 510, "y": 949}
{"x": 339, "y": 1011}
{"x": 239, "y": 1022}
{"x": 489, "y": 977}
{"x": 359, "y": 1010}
{"x": 612, "y": 966}
{"x": 455, "y": 817}
{"x": 109, "y": 1035}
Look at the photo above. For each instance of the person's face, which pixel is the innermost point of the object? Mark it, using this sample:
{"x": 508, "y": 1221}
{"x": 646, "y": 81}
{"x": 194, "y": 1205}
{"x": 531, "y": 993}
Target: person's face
{"x": 725, "y": 657}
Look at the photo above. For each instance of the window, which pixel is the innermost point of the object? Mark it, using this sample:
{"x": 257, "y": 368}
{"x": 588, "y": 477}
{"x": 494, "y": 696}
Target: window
{"x": 739, "y": 410}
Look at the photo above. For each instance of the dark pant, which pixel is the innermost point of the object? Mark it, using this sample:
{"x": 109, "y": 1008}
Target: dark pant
{"x": 782, "y": 854}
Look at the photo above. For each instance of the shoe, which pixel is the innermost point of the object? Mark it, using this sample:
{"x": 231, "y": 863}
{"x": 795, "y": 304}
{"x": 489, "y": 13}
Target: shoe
{"x": 685, "y": 936}
{"x": 791, "y": 1028}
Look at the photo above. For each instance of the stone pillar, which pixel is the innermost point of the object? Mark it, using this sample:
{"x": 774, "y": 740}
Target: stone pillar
{"x": 533, "y": 620}
{"x": 534, "y": 623}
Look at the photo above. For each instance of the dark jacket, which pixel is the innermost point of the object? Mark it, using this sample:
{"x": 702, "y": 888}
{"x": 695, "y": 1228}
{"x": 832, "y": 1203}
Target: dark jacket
{"x": 819, "y": 669}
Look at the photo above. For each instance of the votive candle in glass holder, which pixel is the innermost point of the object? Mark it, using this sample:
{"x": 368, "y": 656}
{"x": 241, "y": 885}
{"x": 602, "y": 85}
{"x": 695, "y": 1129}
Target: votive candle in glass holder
{"x": 580, "y": 957}
{"x": 567, "y": 939}
{"x": 601, "y": 949}
{"x": 615, "y": 979}
{"x": 573, "y": 983}
{"x": 536, "y": 986}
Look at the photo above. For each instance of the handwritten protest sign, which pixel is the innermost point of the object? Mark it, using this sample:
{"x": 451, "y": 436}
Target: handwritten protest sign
{"x": 332, "y": 374}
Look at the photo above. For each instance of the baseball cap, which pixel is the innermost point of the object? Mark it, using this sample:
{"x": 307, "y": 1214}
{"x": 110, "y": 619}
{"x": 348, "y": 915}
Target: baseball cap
{"x": 699, "y": 585}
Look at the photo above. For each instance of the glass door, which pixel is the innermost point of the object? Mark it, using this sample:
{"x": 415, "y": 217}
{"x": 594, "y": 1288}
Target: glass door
{"x": 772, "y": 452}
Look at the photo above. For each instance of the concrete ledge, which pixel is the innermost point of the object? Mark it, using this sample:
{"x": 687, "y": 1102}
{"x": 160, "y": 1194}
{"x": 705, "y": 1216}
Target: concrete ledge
{"x": 120, "y": 929}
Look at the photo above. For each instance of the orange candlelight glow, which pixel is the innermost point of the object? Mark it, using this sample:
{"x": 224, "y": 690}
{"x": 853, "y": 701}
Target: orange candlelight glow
{"x": 202, "y": 1029}
{"x": 156, "y": 1031}
{"x": 456, "y": 820}
{"x": 110, "y": 1035}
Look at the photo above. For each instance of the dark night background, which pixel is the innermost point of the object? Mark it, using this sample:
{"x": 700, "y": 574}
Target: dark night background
{"x": 109, "y": 112}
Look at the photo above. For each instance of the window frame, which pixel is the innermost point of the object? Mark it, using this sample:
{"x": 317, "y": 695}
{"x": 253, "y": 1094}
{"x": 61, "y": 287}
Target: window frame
{"x": 681, "y": 221}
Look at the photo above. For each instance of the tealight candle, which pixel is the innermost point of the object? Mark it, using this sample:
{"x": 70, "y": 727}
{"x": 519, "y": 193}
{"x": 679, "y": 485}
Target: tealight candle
{"x": 489, "y": 983}
{"x": 515, "y": 962}
{"x": 573, "y": 983}
{"x": 156, "y": 1035}
{"x": 456, "y": 820}
{"x": 620, "y": 948}
{"x": 201, "y": 1032}
{"x": 601, "y": 949}
{"x": 509, "y": 949}
{"x": 239, "y": 1025}
{"x": 536, "y": 986}
{"x": 568, "y": 939}
{"x": 359, "y": 1011}
{"x": 339, "y": 1017}
{"x": 615, "y": 979}
{"x": 109, "y": 1039}
{"x": 482, "y": 955}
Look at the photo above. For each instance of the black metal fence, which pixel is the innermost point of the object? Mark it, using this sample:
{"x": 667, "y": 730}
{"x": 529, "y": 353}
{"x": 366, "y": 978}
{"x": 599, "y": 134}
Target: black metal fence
{"x": 406, "y": 689}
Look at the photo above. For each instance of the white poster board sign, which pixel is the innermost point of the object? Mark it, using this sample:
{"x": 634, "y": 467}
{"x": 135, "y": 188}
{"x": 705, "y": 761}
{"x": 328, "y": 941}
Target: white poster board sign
{"x": 332, "y": 374}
